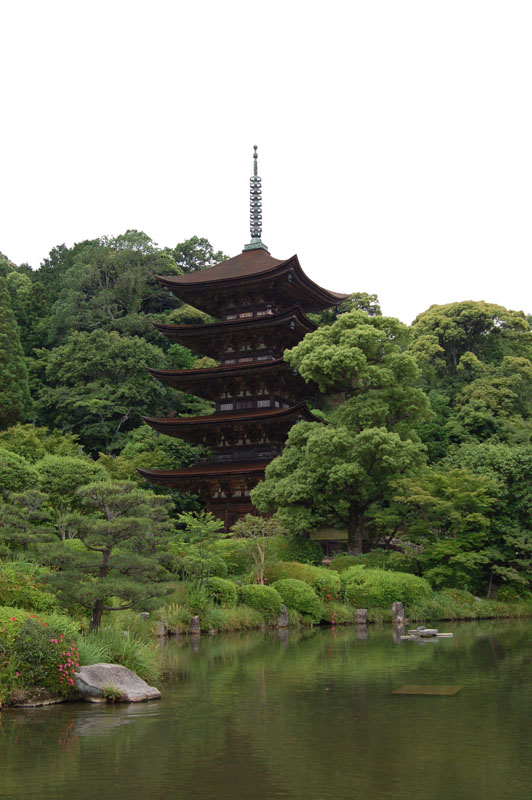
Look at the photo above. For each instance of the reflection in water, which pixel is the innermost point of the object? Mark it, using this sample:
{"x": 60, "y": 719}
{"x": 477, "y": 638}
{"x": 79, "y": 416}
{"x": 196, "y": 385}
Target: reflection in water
{"x": 300, "y": 715}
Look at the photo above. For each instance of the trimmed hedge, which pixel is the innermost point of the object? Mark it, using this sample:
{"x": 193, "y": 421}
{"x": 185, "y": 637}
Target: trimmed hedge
{"x": 299, "y": 595}
{"x": 368, "y": 588}
{"x": 340, "y": 563}
{"x": 222, "y": 591}
{"x": 325, "y": 583}
{"x": 262, "y": 598}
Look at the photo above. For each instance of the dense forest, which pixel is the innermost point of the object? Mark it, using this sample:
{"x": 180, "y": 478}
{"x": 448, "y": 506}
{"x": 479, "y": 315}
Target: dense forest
{"x": 428, "y": 445}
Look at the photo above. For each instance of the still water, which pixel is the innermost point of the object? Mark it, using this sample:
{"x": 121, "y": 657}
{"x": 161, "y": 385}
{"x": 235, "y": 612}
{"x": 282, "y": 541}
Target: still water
{"x": 300, "y": 715}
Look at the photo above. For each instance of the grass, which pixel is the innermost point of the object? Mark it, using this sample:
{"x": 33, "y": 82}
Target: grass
{"x": 120, "y": 647}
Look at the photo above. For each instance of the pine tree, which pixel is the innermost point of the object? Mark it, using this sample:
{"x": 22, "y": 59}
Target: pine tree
{"x": 14, "y": 387}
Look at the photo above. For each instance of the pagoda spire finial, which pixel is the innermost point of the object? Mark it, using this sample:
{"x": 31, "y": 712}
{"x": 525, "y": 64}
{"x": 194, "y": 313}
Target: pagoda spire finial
{"x": 255, "y": 208}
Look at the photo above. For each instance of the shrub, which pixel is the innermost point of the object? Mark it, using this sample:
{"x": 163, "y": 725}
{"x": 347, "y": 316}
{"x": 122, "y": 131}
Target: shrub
{"x": 295, "y": 548}
{"x": 238, "y": 618}
{"x": 222, "y": 591}
{"x": 262, "y": 598}
{"x": 387, "y": 559}
{"x": 340, "y": 563}
{"x": 459, "y": 595}
{"x": 197, "y": 597}
{"x": 175, "y": 617}
{"x": 351, "y": 573}
{"x": 507, "y": 594}
{"x": 18, "y": 587}
{"x": 236, "y": 553}
{"x": 190, "y": 561}
{"x": 38, "y": 650}
{"x": 10, "y": 621}
{"x": 325, "y": 583}
{"x": 368, "y": 588}
{"x": 338, "y": 613}
{"x": 300, "y": 596}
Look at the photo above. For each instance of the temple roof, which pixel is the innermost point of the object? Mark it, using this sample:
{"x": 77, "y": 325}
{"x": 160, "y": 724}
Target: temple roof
{"x": 211, "y": 289}
{"x": 206, "y": 339}
{"x": 187, "y": 427}
{"x": 210, "y": 470}
{"x": 249, "y": 262}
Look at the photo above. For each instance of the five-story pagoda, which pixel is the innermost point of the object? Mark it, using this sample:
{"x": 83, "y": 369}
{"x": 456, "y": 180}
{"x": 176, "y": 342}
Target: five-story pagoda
{"x": 261, "y": 304}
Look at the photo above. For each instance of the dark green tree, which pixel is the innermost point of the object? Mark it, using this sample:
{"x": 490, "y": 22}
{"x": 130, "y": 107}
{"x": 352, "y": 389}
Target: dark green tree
{"x": 15, "y": 400}
{"x": 195, "y": 254}
{"x": 330, "y": 475}
{"x": 97, "y": 386}
{"x": 116, "y": 567}
{"x": 24, "y": 520}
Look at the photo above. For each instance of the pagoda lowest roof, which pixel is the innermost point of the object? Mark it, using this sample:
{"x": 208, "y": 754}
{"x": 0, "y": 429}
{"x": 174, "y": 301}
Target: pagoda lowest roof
{"x": 248, "y": 268}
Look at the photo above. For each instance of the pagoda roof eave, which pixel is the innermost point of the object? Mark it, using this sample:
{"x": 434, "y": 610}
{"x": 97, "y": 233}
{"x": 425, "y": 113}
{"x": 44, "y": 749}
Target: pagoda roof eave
{"x": 222, "y": 369}
{"x": 183, "y": 426}
{"x": 208, "y": 470}
{"x": 243, "y": 271}
{"x": 211, "y": 328}
{"x": 233, "y": 416}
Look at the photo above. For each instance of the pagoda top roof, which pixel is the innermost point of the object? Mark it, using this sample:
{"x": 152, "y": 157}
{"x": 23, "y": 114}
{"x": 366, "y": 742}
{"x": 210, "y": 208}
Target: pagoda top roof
{"x": 209, "y": 289}
{"x": 248, "y": 262}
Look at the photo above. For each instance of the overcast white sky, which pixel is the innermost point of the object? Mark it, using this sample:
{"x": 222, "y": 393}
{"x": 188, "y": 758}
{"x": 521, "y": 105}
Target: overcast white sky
{"x": 395, "y": 138}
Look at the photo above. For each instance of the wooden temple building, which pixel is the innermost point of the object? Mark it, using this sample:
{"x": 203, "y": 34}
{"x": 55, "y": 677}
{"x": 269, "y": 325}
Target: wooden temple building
{"x": 260, "y": 303}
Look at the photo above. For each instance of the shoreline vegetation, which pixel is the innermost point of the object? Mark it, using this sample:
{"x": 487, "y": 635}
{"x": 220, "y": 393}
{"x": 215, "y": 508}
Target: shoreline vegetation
{"x": 40, "y": 651}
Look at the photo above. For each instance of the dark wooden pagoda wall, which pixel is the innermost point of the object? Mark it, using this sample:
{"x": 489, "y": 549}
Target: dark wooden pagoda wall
{"x": 269, "y": 320}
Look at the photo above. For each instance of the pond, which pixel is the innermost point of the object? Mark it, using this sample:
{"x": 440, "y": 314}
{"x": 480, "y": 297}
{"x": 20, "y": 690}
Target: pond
{"x": 296, "y": 714}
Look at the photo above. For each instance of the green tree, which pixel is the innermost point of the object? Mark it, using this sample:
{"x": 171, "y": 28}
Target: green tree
{"x": 509, "y": 467}
{"x": 111, "y": 284}
{"x": 365, "y": 359}
{"x": 16, "y": 474}
{"x": 97, "y": 386}
{"x": 23, "y": 520}
{"x": 444, "y": 334}
{"x": 33, "y": 443}
{"x": 116, "y": 569}
{"x": 331, "y": 475}
{"x": 195, "y": 254}
{"x": 15, "y": 400}
{"x": 61, "y": 477}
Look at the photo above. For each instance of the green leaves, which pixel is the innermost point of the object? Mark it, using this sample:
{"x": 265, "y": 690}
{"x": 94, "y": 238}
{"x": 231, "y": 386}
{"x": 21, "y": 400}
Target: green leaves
{"x": 15, "y": 398}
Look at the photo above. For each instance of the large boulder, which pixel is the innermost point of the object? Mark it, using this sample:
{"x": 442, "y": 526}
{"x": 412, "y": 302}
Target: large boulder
{"x": 102, "y": 682}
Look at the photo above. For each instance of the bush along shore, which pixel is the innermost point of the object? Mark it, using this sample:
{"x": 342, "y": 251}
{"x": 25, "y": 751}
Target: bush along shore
{"x": 40, "y": 651}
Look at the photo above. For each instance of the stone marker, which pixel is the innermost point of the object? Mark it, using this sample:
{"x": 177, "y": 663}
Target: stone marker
{"x": 194, "y": 626}
{"x": 91, "y": 682}
{"x": 361, "y": 616}
{"x": 398, "y": 612}
{"x": 144, "y": 615}
{"x": 282, "y": 619}
{"x": 159, "y": 628}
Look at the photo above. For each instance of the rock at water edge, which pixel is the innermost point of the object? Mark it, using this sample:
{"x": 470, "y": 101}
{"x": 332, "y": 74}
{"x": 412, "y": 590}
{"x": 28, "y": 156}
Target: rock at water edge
{"x": 195, "y": 626}
{"x": 282, "y": 619}
{"x": 93, "y": 680}
{"x": 361, "y": 616}
{"x": 398, "y": 612}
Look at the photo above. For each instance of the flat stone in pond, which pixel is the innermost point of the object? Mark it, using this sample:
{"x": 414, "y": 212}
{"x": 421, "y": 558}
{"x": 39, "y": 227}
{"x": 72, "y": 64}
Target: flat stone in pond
{"x": 434, "y": 690}
{"x": 91, "y": 682}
